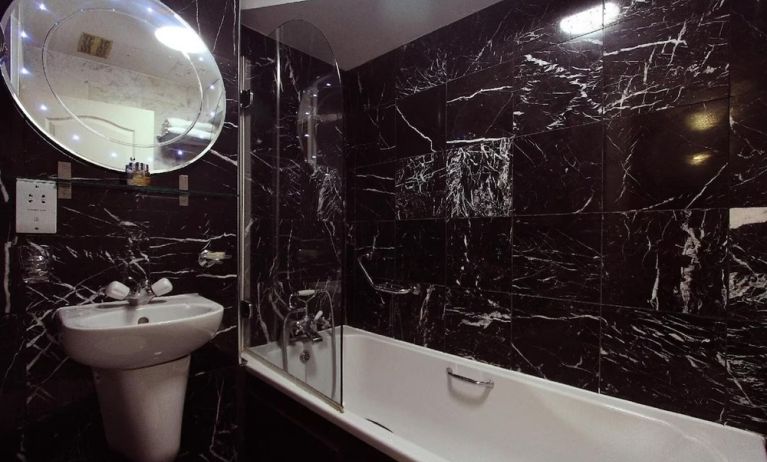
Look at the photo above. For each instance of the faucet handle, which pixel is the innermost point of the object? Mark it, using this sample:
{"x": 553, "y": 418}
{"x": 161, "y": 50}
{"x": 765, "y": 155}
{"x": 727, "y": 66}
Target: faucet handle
{"x": 117, "y": 290}
{"x": 162, "y": 287}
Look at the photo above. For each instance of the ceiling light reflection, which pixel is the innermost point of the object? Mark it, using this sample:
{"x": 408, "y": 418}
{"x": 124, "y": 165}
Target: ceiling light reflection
{"x": 591, "y": 19}
{"x": 699, "y": 158}
{"x": 181, "y": 39}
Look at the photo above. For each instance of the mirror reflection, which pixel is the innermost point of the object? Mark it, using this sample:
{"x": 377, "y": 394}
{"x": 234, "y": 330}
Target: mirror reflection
{"x": 113, "y": 81}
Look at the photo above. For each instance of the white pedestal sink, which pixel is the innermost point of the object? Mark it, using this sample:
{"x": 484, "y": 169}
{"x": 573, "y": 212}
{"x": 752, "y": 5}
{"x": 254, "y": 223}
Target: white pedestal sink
{"x": 140, "y": 361}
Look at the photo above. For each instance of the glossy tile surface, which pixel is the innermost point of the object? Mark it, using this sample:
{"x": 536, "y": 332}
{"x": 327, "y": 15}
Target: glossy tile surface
{"x": 479, "y": 253}
{"x": 478, "y": 326}
{"x": 667, "y": 261}
{"x": 421, "y": 123}
{"x": 420, "y": 186}
{"x": 560, "y": 86}
{"x": 668, "y": 361}
{"x": 568, "y": 162}
{"x": 557, "y": 340}
{"x": 478, "y": 180}
{"x": 668, "y": 160}
{"x": 557, "y": 256}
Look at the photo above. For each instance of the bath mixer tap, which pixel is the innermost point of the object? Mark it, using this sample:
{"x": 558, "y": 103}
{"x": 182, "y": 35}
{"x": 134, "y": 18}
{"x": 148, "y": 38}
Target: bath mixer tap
{"x": 304, "y": 329}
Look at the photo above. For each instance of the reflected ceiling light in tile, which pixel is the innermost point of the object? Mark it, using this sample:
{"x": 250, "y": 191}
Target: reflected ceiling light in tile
{"x": 212, "y": 87}
{"x": 181, "y": 39}
{"x": 43, "y": 107}
{"x": 699, "y": 158}
{"x": 42, "y": 7}
{"x": 23, "y": 34}
{"x": 24, "y": 71}
{"x": 75, "y": 137}
{"x": 590, "y": 20}
{"x": 702, "y": 121}
{"x": 114, "y": 154}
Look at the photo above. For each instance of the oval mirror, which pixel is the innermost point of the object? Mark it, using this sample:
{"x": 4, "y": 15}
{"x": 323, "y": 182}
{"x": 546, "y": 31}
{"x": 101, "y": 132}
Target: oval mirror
{"x": 113, "y": 81}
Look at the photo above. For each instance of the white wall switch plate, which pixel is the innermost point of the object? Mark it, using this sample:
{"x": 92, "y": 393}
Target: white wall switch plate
{"x": 36, "y": 206}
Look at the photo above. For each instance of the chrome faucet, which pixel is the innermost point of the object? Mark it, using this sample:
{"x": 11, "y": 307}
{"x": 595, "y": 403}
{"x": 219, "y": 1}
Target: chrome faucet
{"x": 304, "y": 329}
{"x": 141, "y": 292}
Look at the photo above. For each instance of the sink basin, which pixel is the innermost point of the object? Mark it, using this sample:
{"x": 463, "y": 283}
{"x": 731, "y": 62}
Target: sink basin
{"x": 118, "y": 336}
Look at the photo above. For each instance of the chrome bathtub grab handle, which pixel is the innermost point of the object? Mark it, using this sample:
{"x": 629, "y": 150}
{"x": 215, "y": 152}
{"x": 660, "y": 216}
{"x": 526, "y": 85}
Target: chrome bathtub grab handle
{"x": 481, "y": 383}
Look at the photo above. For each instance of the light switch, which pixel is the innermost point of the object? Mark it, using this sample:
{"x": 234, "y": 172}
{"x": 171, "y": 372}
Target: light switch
{"x": 36, "y": 206}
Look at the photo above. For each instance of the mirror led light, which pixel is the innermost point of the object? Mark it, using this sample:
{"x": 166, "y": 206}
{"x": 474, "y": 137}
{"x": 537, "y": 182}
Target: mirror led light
{"x": 590, "y": 20}
{"x": 181, "y": 39}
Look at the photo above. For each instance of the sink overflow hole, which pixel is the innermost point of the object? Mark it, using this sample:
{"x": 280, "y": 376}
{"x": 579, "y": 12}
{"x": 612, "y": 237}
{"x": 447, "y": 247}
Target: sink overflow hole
{"x": 305, "y": 357}
{"x": 143, "y": 320}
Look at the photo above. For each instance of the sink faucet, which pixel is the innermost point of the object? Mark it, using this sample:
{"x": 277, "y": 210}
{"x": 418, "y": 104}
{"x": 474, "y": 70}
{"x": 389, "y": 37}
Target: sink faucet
{"x": 141, "y": 293}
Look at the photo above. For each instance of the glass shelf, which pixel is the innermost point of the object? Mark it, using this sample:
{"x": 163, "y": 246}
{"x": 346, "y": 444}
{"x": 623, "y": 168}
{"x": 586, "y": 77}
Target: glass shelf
{"x": 118, "y": 184}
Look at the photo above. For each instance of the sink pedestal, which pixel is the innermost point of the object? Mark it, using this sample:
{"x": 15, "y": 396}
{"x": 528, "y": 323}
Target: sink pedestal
{"x": 142, "y": 409}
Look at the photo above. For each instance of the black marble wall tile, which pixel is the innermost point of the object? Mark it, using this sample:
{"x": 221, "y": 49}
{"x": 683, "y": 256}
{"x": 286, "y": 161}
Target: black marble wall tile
{"x": 420, "y": 185}
{"x": 667, "y": 261}
{"x": 309, "y": 253}
{"x": 368, "y": 309}
{"x": 479, "y": 180}
{"x": 418, "y": 318}
{"x": 560, "y": 86}
{"x": 748, "y": 57}
{"x": 747, "y": 294}
{"x": 480, "y": 106}
{"x": 73, "y": 433}
{"x": 373, "y": 84}
{"x": 478, "y": 41}
{"x": 568, "y": 162}
{"x": 376, "y": 246}
{"x": 557, "y": 340}
{"x": 422, "y": 64}
{"x": 747, "y": 371}
{"x": 210, "y": 425}
{"x": 748, "y": 150}
{"x": 478, "y": 326}
{"x": 673, "y": 362}
{"x": 667, "y": 58}
{"x": 557, "y": 256}
{"x": 375, "y": 126}
{"x": 668, "y": 10}
{"x": 12, "y": 380}
{"x": 668, "y": 160}
{"x": 421, "y": 251}
{"x": 478, "y": 253}
{"x": 421, "y": 123}
{"x": 374, "y": 192}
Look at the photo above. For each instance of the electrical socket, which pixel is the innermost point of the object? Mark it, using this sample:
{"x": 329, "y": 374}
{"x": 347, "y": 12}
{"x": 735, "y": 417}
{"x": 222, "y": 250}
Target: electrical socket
{"x": 36, "y": 204}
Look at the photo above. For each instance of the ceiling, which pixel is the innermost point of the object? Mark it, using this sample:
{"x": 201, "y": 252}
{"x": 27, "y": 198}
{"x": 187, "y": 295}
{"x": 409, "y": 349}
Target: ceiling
{"x": 361, "y": 30}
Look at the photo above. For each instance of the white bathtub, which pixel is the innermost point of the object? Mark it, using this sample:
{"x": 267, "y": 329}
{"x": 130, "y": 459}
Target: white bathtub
{"x": 521, "y": 419}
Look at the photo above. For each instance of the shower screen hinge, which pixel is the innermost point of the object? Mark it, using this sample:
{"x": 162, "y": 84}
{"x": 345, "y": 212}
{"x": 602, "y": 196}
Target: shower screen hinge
{"x": 246, "y": 309}
{"x": 246, "y": 99}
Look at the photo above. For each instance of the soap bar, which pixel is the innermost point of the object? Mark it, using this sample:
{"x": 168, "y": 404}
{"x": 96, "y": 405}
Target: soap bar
{"x": 117, "y": 290}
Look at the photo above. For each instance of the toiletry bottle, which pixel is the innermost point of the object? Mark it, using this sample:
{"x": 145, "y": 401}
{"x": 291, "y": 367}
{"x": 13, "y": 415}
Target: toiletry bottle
{"x": 147, "y": 179}
{"x": 130, "y": 173}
